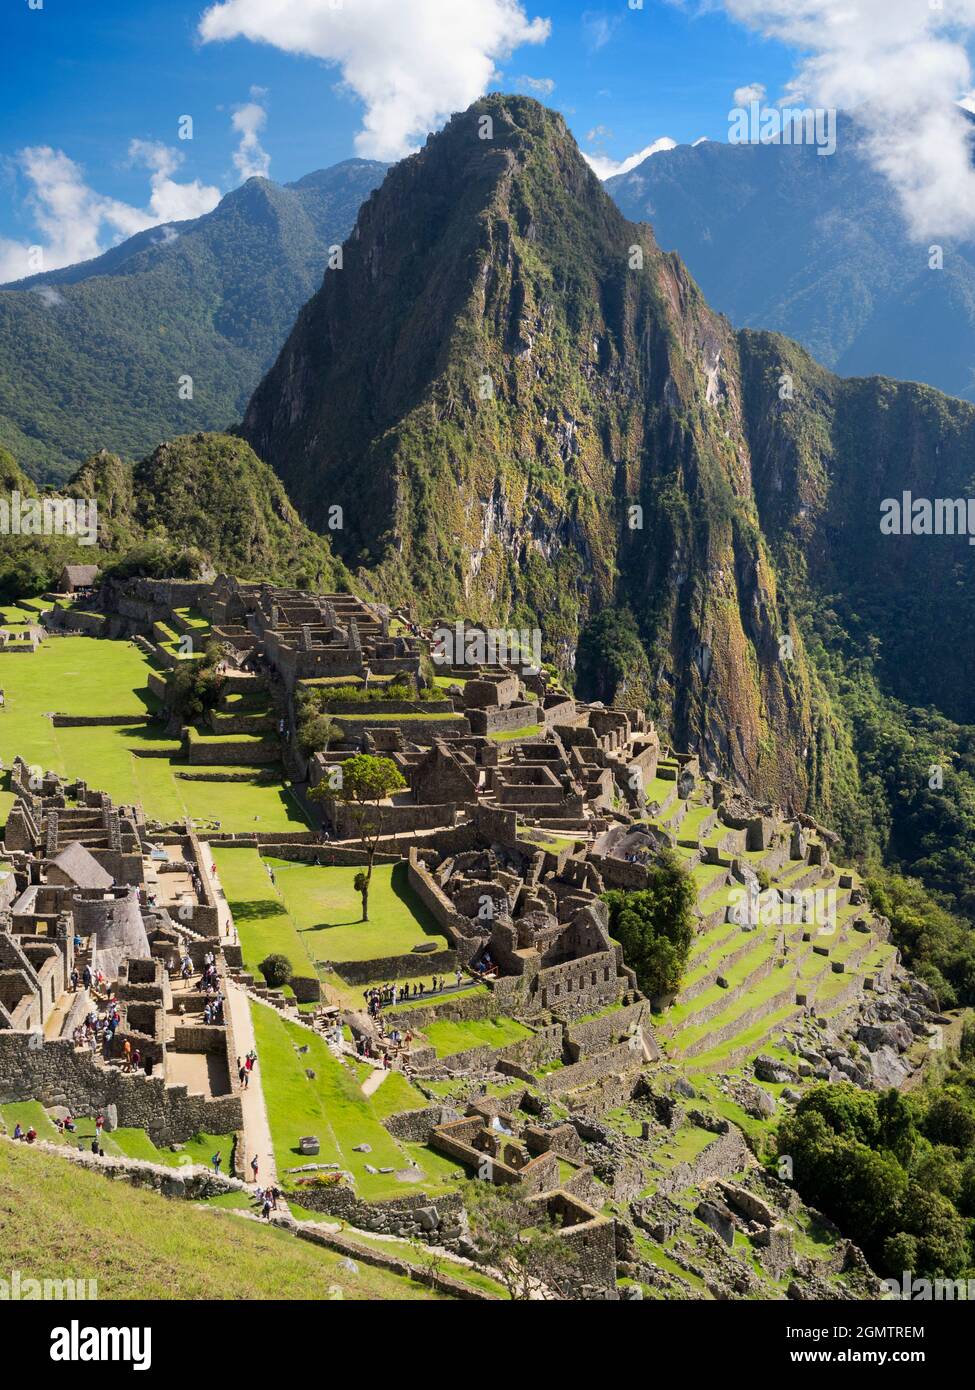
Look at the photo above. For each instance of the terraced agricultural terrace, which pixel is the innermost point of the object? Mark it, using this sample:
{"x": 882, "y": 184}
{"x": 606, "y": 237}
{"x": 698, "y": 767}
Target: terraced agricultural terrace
{"x": 482, "y": 1022}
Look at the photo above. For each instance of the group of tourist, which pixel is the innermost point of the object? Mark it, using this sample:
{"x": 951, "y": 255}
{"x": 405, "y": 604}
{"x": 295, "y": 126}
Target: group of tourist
{"x": 28, "y": 1135}
{"x": 386, "y": 1047}
{"x": 485, "y": 965}
{"x": 379, "y": 997}
{"x": 244, "y": 1069}
{"x": 88, "y": 979}
{"x": 267, "y": 1199}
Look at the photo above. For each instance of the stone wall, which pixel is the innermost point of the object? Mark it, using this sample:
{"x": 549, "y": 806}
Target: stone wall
{"x": 620, "y": 1060}
{"x": 407, "y": 966}
{"x": 61, "y": 1074}
{"x": 728, "y": 1154}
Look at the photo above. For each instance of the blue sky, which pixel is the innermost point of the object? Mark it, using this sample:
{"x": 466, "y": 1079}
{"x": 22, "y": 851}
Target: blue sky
{"x": 89, "y": 79}
{"x": 94, "y": 91}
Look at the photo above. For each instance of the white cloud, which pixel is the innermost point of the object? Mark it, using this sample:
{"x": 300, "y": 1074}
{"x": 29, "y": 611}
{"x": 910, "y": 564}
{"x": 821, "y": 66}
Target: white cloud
{"x": 76, "y": 223}
{"x": 49, "y": 296}
{"x": 410, "y": 64}
{"x": 744, "y": 96}
{"x": 250, "y": 159}
{"x": 605, "y": 168}
{"x": 900, "y": 66}
{"x": 171, "y": 201}
{"x": 536, "y": 86}
{"x": 599, "y": 27}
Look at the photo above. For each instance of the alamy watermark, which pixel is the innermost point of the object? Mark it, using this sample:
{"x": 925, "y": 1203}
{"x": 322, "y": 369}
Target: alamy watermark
{"x": 74, "y": 517}
{"x": 757, "y": 124}
{"x": 490, "y": 646}
{"x": 18, "y": 1289}
{"x": 908, "y": 515}
{"x": 913, "y": 1290}
{"x": 752, "y": 907}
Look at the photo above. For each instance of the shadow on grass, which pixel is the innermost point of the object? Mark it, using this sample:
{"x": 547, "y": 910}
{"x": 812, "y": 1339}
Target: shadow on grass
{"x": 400, "y": 882}
{"x": 253, "y": 911}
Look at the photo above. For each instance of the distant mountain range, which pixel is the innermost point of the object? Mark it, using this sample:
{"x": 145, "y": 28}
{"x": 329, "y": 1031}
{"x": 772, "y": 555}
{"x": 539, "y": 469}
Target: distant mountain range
{"x": 815, "y": 247}
{"x": 97, "y": 355}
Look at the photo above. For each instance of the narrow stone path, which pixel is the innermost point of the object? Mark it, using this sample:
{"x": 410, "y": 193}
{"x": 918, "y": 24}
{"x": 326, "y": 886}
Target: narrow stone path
{"x": 257, "y": 1131}
{"x": 228, "y": 931}
{"x": 373, "y": 1081}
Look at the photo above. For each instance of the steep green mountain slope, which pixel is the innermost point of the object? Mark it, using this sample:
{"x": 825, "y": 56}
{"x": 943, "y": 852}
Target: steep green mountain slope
{"x": 92, "y": 356}
{"x": 504, "y": 368}
{"x": 487, "y": 387}
{"x": 780, "y": 237}
{"x": 196, "y": 504}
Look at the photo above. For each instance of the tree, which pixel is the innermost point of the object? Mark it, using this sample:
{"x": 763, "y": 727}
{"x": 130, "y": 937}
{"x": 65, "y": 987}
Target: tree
{"x": 363, "y": 782}
{"x": 655, "y": 926}
{"x": 524, "y": 1256}
{"x": 277, "y": 970}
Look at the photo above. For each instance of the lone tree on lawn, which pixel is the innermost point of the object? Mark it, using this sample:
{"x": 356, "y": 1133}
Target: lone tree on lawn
{"x": 361, "y": 783}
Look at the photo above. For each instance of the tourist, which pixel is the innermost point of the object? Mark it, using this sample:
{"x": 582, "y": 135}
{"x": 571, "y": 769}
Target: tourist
{"x": 254, "y": 1167}
{"x": 243, "y": 1075}
{"x": 18, "y": 1132}
{"x": 126, "y": 1055}
{"x": 266, "y": 1209}
{"x": 216, "y": 1160}
{"x": 31, "y": 1134}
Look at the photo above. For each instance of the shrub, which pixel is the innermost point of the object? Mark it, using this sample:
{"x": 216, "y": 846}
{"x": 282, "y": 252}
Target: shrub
{"x": 276, "y": 970}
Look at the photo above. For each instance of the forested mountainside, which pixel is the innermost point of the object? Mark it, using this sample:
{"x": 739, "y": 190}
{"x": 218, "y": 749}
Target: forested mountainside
{"x": 98, "y": 355}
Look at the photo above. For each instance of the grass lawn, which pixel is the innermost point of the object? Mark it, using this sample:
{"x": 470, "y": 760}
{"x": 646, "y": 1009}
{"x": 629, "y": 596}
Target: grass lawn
{"x": 333, "y": 1107}
{"x": 83, "y": 675}
{"x": 125, "y": 1143}
{"x": 313, "y": 913}
{"x": 508, "y": 735}
{"x": 448, "y": 1038}
{"x": 60, "y": 1221}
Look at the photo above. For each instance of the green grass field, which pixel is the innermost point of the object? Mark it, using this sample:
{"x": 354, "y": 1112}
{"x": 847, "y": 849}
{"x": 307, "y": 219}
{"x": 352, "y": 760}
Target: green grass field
{"x": 448, "y": 1038}
{"x": 333, "y": 1107}
{"x": 60, "y": 1221}
{"x": 124, "y": 1143}
{"x": 313, "y": 913}
{"x": 82, "y": 675}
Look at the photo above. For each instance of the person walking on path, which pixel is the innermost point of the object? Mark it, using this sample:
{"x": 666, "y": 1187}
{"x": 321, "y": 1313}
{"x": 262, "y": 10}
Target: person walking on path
{"x": 216, "y": 1160}
{"x": 254, "y": 1167}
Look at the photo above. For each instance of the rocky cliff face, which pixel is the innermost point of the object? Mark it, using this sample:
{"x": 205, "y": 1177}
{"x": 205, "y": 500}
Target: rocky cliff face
{"x": 510, "y": 403}
{"x": 527, "y": 412}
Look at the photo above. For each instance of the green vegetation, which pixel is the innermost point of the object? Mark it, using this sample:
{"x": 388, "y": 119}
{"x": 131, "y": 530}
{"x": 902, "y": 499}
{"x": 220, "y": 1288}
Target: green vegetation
{"x": 655, "y": 926}
{"x": 85, "y": 676}
{"x": 331, "y": 1106}
{"x": 447, "y": 1037}
{"x": 522, "y": 1257}
{"x": 109, "y": 342}
{"x": 56, "y": 1215}
{"x": 199, "y": 501}
{"x": 896, "y": 1172}
{"x": 364, "y": 782}
{"x": 935, "y": 943}
{"x": 611, "y": 664}
{"x": 310, "y": 913}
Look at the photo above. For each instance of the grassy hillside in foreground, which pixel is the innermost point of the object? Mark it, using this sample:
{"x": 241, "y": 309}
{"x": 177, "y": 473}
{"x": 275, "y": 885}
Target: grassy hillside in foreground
{"x": 59, "y": 1221}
